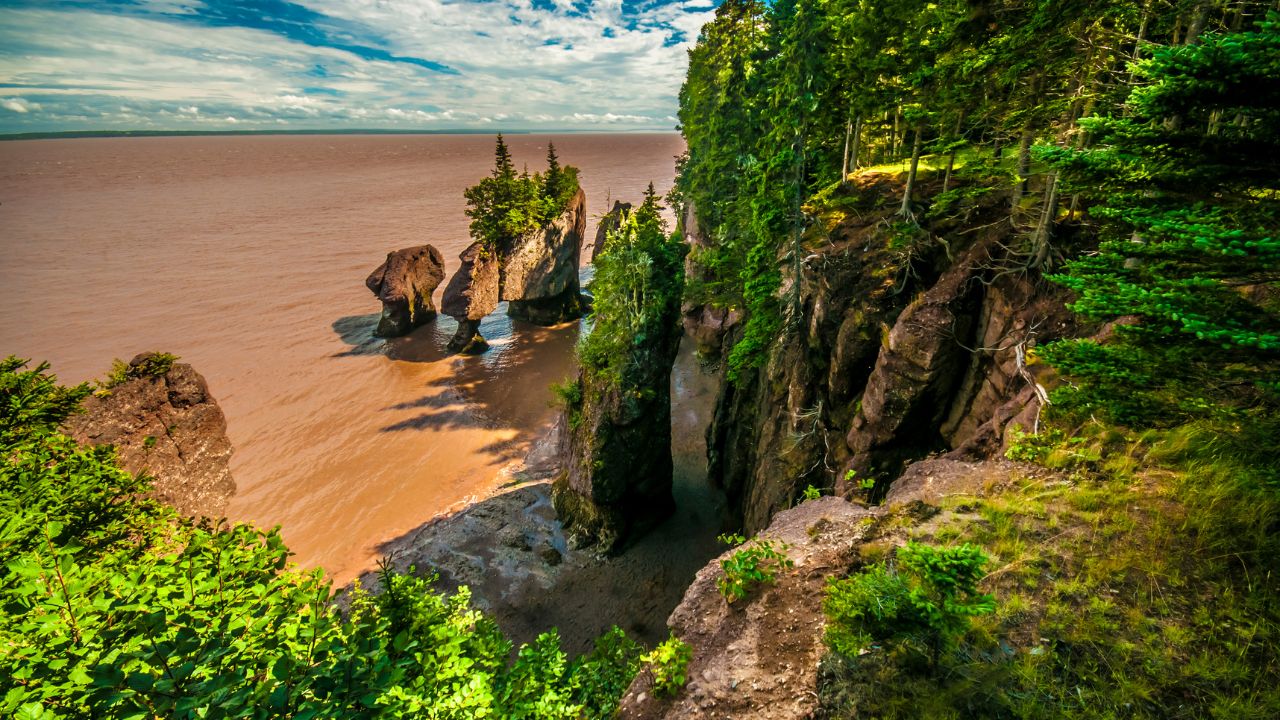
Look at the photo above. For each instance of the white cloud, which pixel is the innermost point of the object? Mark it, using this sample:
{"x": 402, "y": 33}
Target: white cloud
{"x": 19, "y": 105}
{"x": 517, "y": 66}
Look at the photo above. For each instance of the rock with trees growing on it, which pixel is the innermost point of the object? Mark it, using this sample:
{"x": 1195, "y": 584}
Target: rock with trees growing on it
{"x": 528, "y": 232}
{"x": 611, "y": 221}
{"x": 617, "y": 415}
{"x": 161, "y": 419}
{"x": 540, "y": 271}
{"x": 404, "y": 283}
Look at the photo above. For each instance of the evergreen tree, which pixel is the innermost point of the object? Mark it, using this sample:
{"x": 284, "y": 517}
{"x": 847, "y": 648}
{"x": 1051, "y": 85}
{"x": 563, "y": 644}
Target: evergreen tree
{"x": 504, "y": 206}
{"x": 1191, "y": 247}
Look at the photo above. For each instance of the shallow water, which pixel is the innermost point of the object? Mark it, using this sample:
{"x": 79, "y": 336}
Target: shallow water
{"x": 247, "y": 257}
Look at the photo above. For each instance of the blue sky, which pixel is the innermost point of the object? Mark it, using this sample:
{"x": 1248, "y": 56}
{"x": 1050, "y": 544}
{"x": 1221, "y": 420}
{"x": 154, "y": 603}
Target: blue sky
{"x": 303, "y": 64}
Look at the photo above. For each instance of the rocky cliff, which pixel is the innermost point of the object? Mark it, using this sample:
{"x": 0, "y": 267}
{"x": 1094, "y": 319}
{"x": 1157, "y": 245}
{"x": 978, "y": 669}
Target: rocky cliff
{"x": 162, "y": 420}
{"x": 899, "y": 342}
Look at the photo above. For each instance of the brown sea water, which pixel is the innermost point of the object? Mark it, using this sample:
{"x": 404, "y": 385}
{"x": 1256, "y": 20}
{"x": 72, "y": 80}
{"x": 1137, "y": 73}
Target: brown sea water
{"x": 247, "y": 257}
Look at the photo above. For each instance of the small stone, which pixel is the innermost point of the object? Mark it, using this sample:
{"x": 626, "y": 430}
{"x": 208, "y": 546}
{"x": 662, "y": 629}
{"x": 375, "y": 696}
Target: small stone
{"x": 550, "y": 555}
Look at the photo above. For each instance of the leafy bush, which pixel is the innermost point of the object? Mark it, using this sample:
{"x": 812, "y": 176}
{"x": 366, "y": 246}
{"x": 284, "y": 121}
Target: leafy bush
{"x": 758, "y": 564}
{"x": 925, "y": 600}
{"x": 152, "y": 364}
{"x": 669, "y": 665}
{"x": 637, "y": 286}
{"x": 114, "y": 606}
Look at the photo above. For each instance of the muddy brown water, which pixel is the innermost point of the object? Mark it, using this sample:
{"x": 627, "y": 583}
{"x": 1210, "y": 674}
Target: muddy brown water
{"x": 247, "y": 257}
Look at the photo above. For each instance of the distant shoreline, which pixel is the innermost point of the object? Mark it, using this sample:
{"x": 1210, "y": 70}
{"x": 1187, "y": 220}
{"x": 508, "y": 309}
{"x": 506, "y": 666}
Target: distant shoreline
{"x": 72, "y": 134}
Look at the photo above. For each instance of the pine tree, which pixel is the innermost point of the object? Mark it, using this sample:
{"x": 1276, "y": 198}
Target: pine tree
{"x": 1191, "y": 248}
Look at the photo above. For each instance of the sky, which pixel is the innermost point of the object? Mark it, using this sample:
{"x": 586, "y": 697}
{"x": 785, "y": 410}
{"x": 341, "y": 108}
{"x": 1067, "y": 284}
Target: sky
{"x": 606, "y": 65}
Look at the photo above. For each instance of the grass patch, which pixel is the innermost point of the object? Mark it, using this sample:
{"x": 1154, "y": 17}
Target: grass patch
{"x": 1138, "y": 584}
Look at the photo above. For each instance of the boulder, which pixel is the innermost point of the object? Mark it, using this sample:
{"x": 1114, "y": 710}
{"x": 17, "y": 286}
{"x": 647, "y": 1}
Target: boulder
{"x": 540, "y": 269}
{"x": 162, "y": 420}
{"x": 611, "y": 221}
{"x": 472, "y": 294}
{"x": 404, "y": 284}
{"x": 758, "y": 658}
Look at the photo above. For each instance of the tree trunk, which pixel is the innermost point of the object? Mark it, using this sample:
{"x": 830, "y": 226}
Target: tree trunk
{"x": 853, "y": 152}
{"x": 1024, "y": 169}
{"x": 844, "y": 164}
{"x": 951, "y": 157}
{"x": 1048, "y": 214}
{"x": 905, "y": 210}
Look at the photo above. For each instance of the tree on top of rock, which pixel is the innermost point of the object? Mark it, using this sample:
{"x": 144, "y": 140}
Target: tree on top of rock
{"x": 504, "y": 206}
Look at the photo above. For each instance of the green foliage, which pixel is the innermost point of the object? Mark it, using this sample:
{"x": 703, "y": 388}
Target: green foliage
{"x": 925, "y": 600}
{"x": 152, "y": 364}
{"x": 669, "y": 665}
{"x": 811, "y": 493}
{"x": 636, "y": 292}
{"x": 1185, "y": 179}
{"x": 506, "y": 205}
{"x": 757, "y": 564}
{"x": 113, "y": 606}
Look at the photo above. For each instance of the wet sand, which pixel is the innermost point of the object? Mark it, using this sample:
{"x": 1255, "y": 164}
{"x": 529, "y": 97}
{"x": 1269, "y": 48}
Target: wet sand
{"x": 246, "y": 256}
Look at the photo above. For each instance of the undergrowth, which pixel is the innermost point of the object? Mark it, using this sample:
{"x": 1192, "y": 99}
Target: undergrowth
{"x": 1139, "y": 582}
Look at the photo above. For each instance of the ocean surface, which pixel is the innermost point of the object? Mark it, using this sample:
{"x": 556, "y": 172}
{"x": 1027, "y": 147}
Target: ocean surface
{"x": 247, "y": 257}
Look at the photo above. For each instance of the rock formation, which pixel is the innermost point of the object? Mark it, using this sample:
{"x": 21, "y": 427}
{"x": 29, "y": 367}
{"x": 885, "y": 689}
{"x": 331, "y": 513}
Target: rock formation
{"x": 540, "y": 271}
{"x": 617, "y": 447}
{"x": 759, "y": 658}
{"x": 404, "y": 283}
{"x": 164, "y": 421}
{"x": 611, "y": 221}
{"x": 537, "y": 274}
{"x": 705, "y": 324}
{"x": 894, "y": 355}
{"x": 471, "y": 294}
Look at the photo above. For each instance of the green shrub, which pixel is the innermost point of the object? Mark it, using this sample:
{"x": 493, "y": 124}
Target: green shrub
{"x": 924, "y": 601}
{"x": 152, "y": 364}
{"x": 669, "y": 664}
{"x": 755, "y": 565}
{"x": 113, "y": 606}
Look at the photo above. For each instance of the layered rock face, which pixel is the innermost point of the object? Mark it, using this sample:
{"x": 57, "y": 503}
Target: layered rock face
{"x": 169, "y": 426}
{"x": 537, "y": 275}
{"x": 705, "y": 324}
{"x": 611, "y": 221}
{"x": 404, "y": 283}
{"x": 893, "y": 353}
{"x": 617, "y": 445}
{"x": 471, "y": 294}
{"x": 540, "y": 272}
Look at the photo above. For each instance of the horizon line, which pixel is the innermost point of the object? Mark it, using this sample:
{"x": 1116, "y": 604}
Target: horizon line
{"x": 73, "y": 134}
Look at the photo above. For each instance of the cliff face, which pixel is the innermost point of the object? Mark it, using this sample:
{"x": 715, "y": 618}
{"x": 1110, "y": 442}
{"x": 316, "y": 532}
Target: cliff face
{"x": 898, "y": 344}
{"x": 168, "y": 425}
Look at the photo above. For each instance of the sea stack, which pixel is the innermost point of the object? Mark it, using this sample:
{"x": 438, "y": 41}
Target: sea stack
{"x": 537, "y": 274}
{"x": 161, "y": 419}
{"x": 404, "y": 283}
{"x": 611, "y": 221}
{"x": 616, "y": 443}
{"x": 471, "y": 294}
{"x": 540, "y": 271}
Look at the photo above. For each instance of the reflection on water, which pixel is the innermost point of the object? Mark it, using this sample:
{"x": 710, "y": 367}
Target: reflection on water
{"x": 247, "y": 257}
